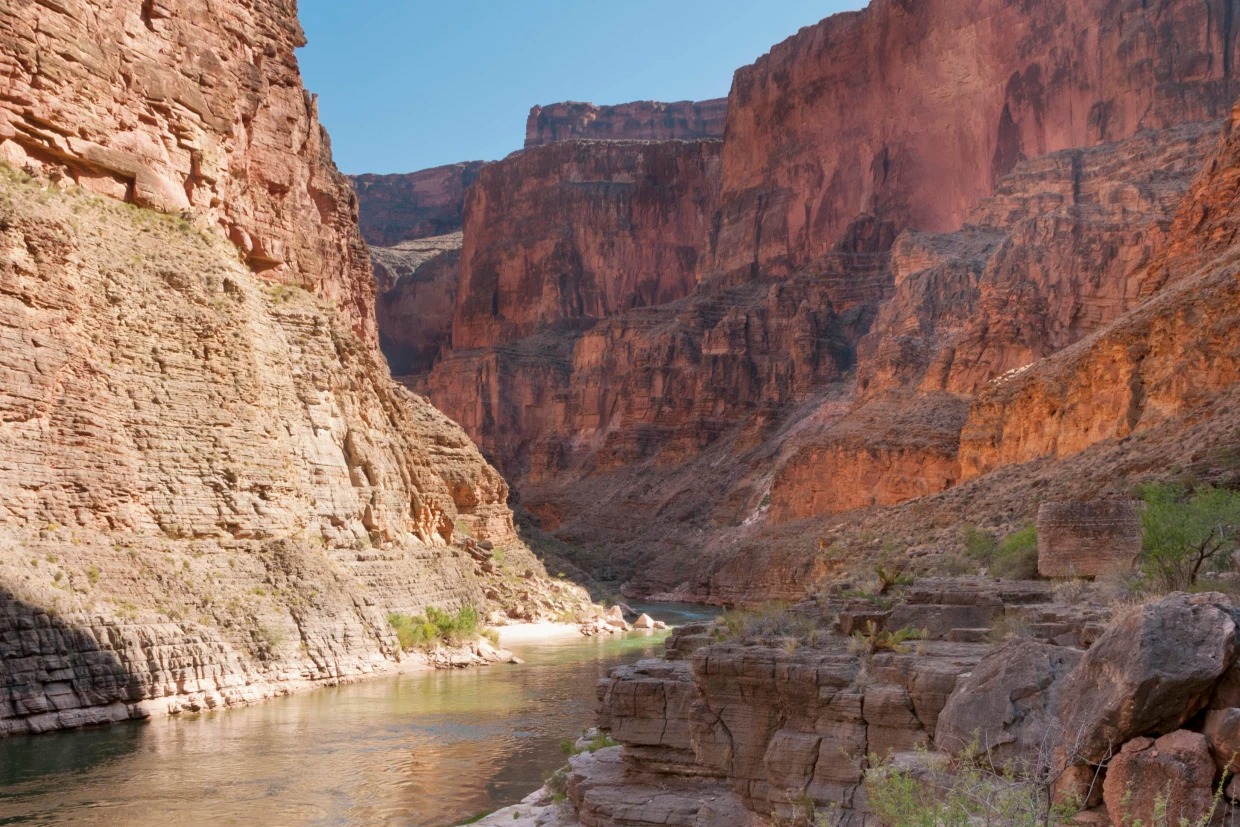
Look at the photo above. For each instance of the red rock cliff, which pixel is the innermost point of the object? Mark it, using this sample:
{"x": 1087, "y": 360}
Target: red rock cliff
{"x": 396, "y": 208}
{"x": 188, "y": 106}
{"x": 639, "y": 121}
{"x": 911, "y": 111}
{"x": 578, "y": 231}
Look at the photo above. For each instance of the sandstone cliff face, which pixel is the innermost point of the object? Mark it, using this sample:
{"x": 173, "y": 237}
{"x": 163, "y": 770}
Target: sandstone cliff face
{"x": 188, "y": 106}
{"x": 416, "y": 283}
{"x": 578, "y": 231}
{"x": 1061, "y": 249}
{"x": 208, "y": 480}
{"x": 1166, "y": 364}
{"x": 826, "y": 127}
{"x": 212, "y": 491}
{"x": 822, "y": 356}
{"x": 396, "y": 208}
{"x": 639, "y": 121}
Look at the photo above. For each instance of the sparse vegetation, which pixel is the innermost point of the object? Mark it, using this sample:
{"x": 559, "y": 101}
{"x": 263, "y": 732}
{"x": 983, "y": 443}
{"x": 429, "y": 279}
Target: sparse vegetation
{"x": 1188, "y": 533}
{"x": 436, "y": 627}
{"x": 1013, "y": 558}
{"x": 874, "y": 640}
{"x": 600, "y": 740}
{"x": 771, "y": 624}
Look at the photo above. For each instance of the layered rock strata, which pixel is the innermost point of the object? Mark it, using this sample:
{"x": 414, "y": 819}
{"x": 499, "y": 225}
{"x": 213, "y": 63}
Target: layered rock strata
{"x": 851, "y": 288}
{"x": 786, "y": 727}
{"x": 188, "y": 106}
{"x": 639, "y": 121}
{"x": 825, "y": 127}
{"x": 397, "y": 208}
{"x": 212, "y": 491}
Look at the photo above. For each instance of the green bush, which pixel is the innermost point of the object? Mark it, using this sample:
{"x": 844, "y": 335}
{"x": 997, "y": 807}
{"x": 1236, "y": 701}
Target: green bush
{"x": 1015, "y": 558}
{"x": 436, "y": 626}
{"x": 1188, "y": 533}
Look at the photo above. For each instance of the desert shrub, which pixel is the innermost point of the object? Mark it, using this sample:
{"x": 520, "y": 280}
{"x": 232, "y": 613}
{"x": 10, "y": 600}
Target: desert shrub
{"x": 596, "y": 742}
{"x": 1188, "y": 533}
{"x": 1013, "y": 558}
{"x": 436, "y": 626}
{"x": 770, "y": 623}
{"x": 874, "y": 640}
{"x": 967, "y": 794}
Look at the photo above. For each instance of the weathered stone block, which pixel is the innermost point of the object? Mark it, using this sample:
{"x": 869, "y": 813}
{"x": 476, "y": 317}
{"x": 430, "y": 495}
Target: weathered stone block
{"x": 1088, "y": 539}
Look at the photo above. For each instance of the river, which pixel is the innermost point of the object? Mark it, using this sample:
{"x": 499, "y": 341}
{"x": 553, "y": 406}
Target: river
{"x": 420, "y": 750}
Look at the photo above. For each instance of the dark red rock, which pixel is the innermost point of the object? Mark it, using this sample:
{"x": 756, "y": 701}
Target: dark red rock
{"x": 396, "y": 208}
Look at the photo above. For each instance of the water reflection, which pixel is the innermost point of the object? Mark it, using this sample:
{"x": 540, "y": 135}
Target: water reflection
{"x": 426, "y": 749}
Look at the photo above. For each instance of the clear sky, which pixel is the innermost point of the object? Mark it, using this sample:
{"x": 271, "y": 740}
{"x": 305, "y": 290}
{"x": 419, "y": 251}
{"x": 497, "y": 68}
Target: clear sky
{"x": 409, "y": 84}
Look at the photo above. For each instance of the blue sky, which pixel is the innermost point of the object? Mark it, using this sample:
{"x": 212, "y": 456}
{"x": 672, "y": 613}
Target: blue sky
{"x": 409, "y": 84}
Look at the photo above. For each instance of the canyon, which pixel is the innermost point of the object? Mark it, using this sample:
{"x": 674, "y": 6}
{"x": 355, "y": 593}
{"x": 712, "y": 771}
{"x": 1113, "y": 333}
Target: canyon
{"x": 212, "y": 490}
{"x": 719, "y": 363}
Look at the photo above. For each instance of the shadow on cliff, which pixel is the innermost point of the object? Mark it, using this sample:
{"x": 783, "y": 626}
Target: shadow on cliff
{"x": 589, "y": 569}
{"x": 54, "y": 676}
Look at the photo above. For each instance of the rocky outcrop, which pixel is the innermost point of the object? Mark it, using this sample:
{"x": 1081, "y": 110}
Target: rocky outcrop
{"x": 1089, "y": 539}
{"x": 187, "y": 106}
{"x": 783, "y": 724}
{"x": 398, "y": 208}
{"x": 212, "y": 491}
{"x": 639, "y": 121}
{"x": 1168, "y": 778}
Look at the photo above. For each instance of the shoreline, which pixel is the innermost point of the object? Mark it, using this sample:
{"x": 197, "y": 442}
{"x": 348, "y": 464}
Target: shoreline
{"x": 252, "y": 694}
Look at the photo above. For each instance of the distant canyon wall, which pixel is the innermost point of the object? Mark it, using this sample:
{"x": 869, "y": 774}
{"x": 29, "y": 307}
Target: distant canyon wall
{"x": 639, "y": 121}
{"x": 909, "y": 203}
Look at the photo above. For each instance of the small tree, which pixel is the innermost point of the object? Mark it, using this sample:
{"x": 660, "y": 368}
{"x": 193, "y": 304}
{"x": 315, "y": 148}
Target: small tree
{"x": 1187, "y": 532}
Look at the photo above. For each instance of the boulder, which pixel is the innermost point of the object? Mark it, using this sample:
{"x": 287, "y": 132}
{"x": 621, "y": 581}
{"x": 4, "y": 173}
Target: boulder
{"x": 644, "y": 622}
{"x": 1147, "y": 675}
{"x": 1222, "y": 732}
{"x": 1175, "y": 772}
{"x": 1004, "y": 707}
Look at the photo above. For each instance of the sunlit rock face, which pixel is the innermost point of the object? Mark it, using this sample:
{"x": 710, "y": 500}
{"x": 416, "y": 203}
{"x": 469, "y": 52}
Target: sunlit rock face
{"x": 189, "y": 106}
{"x": 909, "y": 203}
{"x": 211, "y": 489}
{"x": 912, "y": 112}
{"x": 639, "y": 121}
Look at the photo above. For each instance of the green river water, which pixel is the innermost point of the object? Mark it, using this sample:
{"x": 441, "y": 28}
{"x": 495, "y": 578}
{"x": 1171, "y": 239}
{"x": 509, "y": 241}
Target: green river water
{"x": 426, "y": 749}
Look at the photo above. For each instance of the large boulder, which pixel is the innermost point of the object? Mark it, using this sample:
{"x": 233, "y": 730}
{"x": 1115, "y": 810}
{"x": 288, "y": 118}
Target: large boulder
{"x": 1222, "y": 731}
{"x": 1004, "y": 707}
{"x": 1147, "y": 674}
{"x": 1173, "y": 775}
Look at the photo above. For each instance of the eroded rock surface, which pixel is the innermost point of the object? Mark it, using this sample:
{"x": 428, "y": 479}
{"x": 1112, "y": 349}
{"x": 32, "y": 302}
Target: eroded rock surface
{"x": 211, "y": 490}
{"x": 638, "y": 121}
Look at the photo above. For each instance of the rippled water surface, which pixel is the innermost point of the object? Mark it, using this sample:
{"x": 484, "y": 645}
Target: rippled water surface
{"x": 426, "y": 749}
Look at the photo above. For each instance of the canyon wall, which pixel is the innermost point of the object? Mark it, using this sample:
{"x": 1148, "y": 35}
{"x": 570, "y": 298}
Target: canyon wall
{"x": 187, "y": 106}
{"x": 396, "y": 208}
{"x": 1171, "y": 361}
{"x": 212, "y": 491}
{"x": 911, "y": 112}
{"x": 639, "y": 121}
{"x": 563, "y": 235}
{"x": 910, "y": 202}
